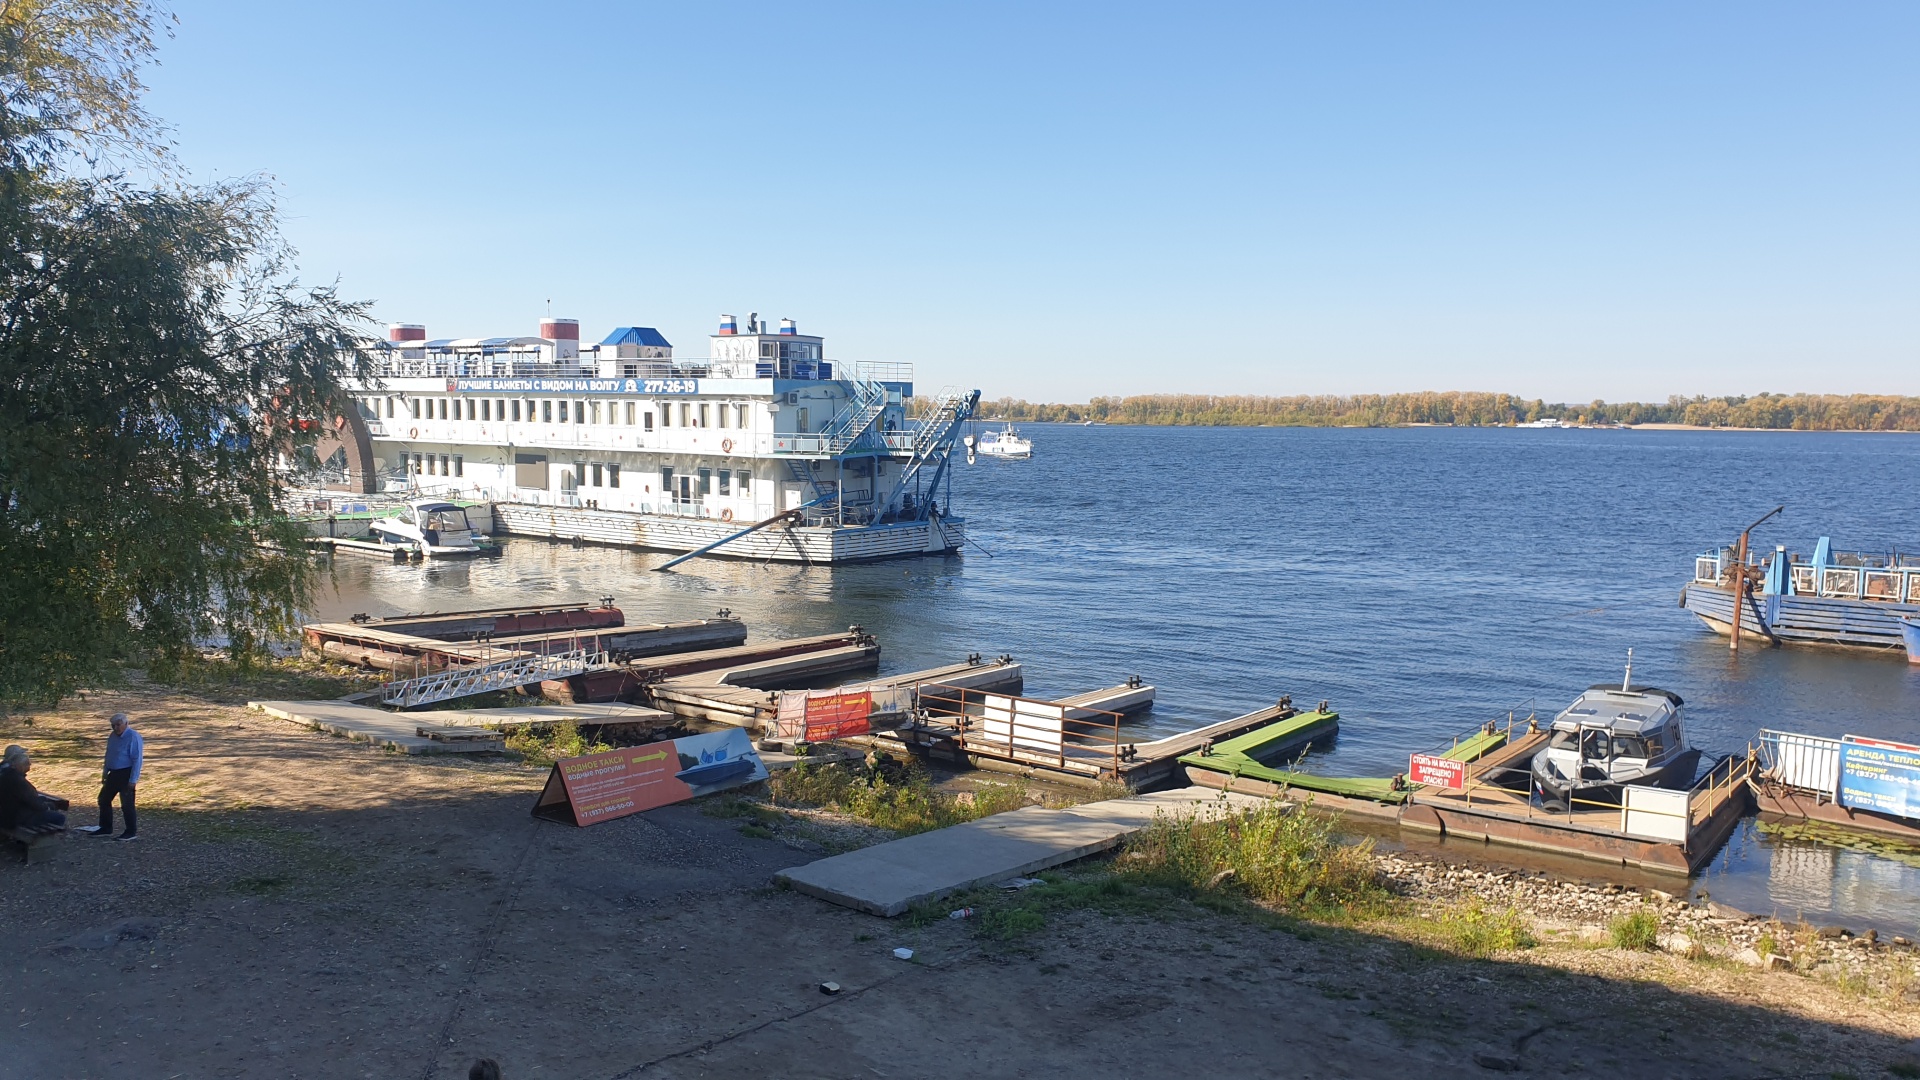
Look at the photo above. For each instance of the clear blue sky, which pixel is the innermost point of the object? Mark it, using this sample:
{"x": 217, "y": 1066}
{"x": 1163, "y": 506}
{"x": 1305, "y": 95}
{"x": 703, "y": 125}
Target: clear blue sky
{"x": 1566, "y": 200}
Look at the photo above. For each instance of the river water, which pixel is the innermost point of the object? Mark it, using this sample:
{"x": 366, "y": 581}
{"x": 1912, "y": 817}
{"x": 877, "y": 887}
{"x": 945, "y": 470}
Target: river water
{"x": 1421, "y": 579}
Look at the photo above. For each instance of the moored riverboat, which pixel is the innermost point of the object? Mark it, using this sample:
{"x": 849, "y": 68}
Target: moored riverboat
{"x": 622, "y": 443}
{"x": 1863, "y": 600}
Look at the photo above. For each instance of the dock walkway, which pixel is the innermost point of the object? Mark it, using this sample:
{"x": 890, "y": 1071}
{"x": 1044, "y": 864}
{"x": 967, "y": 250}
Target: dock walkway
{"x": 889, "y": 878}
{"x": 451, "y": 731}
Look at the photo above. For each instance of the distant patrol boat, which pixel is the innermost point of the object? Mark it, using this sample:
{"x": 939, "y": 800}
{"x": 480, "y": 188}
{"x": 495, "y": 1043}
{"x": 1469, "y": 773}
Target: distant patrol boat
{"x": 1005, "y": 443}
{"x": 766, "y": 449}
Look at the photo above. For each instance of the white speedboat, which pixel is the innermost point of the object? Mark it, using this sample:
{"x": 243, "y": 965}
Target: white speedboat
{"x": 1005, "y": 443}
{"x": 1611, "y": 737}
{"x": 438, "y": 530}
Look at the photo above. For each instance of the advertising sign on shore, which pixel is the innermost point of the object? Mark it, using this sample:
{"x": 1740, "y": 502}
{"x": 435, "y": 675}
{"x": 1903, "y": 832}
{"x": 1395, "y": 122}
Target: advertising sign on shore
{"x": 592, "y": 788}
{"x": 823, "y": 715}
{"x": 1880, "y": 776}
{"x": 1436, "y": 771}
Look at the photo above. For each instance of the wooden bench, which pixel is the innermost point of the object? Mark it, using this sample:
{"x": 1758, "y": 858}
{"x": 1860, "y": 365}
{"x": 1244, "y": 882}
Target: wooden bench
{"x": 34, "y": 840}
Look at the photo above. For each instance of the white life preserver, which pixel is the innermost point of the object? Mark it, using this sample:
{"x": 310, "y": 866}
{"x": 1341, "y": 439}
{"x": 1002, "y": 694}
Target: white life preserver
{"x": 726, "y": 446}
{"x": 726, "y": 515}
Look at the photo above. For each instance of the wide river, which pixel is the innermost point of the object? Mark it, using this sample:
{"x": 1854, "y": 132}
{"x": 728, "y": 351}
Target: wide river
{"x": 1423, "y": 580}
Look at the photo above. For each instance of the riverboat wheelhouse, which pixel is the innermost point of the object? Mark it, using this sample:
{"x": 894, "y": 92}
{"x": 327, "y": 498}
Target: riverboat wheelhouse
{"x": 1849, "y": 598}
{"x": 621, "y": 443}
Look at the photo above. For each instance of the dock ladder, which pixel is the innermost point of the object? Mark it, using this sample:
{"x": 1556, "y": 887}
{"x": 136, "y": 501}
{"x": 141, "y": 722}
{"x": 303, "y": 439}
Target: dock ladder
{"x": 459, "y": 682}
{"x": 845, "y": 429}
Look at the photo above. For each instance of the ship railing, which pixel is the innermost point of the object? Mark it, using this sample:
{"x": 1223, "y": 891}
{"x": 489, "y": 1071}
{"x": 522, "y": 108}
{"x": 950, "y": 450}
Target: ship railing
{"x": 1019, "y": 729}
{"x": 881, "y": 371}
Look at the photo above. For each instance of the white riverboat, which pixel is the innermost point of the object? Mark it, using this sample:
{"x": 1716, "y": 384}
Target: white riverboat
{"x": 436, "y": 529}
{"x": 1005, "y": 443}
{"x": 621, "y": 443}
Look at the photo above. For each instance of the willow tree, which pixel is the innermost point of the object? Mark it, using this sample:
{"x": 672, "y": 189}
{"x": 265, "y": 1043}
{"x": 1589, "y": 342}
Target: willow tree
{"x": 158, "y": 363}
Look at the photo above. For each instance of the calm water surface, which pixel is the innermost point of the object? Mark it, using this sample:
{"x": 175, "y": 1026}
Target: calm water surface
{"x": 1423, "y": 580}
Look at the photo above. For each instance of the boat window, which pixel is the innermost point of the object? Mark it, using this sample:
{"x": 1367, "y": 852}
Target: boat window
{"x": 579, "y": 412}
{"x": 613, "y": 475}
{"x": 1595, "y": 745}
{"x": 1629, "y": 746}
{"x": 444, "y": 471}
{"x": 546, "y": 412}
{"x": 459, "y": 465}
{"x": 629, "y": 414}
{"x": 500, "y": 408}
{"x": 442, "y": 408}
{"x": 1564, "y": 740}
{"x": 1656, "y": 746}
{"x": 596, "y": 414}
{"x": 599, "y": 475}
{"x": 1913, "y": 588}
{"x": 563, "y": 411}
{"x": 486, "y": 409}
{"x": 726, "y": 482}
{"x": 684, "y": 422}
{"x": 706, "y": 481}
{"x": 740, "y": 479}
{"x": 705, "y": 416}
{"x": 1882, "y": 585}
{"x": 742, "y": 425}
{"x": 646, "y": 420}
{"x": 1841, "y": 583}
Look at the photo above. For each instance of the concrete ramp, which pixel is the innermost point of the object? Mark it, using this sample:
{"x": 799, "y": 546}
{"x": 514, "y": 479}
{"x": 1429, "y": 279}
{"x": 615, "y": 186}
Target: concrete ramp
{"x": 889, "y": 878}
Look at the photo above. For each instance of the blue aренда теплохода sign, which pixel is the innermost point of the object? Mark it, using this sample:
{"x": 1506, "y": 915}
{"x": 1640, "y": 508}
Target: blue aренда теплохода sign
{"x": 1880, "y": 776}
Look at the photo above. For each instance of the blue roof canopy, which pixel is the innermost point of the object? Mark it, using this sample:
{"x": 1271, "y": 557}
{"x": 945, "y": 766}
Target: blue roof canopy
{"x": 637, "y": 335}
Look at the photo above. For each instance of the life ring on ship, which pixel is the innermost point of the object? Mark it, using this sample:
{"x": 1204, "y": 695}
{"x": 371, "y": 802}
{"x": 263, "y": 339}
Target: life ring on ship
{"x": 413, "y": 433}
{"x": 726, "y": 446}
{"x": 726, "y": 515}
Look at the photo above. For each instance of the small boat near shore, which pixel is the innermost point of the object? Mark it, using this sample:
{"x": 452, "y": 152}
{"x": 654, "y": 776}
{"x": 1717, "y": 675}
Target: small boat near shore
{"x": 1609, "y": 738}
{"x": 437, "y": 530}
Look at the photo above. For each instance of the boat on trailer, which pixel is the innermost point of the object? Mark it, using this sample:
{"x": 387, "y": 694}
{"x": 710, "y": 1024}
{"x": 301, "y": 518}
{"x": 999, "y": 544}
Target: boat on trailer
{"x": 1856, "y": 599}
{"x": 1613, "y": 737}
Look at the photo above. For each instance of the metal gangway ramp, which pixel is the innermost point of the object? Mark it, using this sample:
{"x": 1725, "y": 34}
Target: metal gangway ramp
{"x": 459, "y": 682}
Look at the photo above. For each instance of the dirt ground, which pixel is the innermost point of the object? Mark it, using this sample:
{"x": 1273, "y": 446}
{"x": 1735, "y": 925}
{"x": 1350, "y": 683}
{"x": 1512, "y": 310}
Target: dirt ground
{"x": 301, "y": 906}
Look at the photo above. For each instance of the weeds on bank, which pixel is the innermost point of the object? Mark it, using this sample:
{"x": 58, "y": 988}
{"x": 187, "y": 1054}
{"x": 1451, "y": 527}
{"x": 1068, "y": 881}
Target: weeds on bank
{"x": 891, "y": 796}
{"x": 1472, "y": 930}
{"x": 541, "y": 747}
{"x": 219, "y": 678}
{"x": 1639, "y": 930}
{"x": 1277, "y": 856}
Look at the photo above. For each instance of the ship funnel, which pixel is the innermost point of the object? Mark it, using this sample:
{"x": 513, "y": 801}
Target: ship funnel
{"x": 406, "y": 331}
{"x": 727, "y": 326}
{"x": 787, "y": 327}
{"x": 1626, "y": 684}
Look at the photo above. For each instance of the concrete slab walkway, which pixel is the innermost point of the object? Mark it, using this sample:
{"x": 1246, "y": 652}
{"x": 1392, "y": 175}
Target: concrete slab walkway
{"x": 889, "y": 878}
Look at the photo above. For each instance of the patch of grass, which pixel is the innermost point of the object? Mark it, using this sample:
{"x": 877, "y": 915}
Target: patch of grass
{"x": 891, "y": 796}
{"x": 221, "y": 679}
{"x": 541, "y": 747}
{"x": 1472, "y": 930}
{"x": 1768, "y": 945}
{"x": 1639, "y": 930}
{"x": 1277, "y": 856}
{"x": 736, "y": 807}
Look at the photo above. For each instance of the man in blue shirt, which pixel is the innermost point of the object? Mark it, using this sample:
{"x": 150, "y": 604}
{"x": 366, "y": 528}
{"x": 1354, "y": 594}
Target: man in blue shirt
{"x": 125, "y": 750}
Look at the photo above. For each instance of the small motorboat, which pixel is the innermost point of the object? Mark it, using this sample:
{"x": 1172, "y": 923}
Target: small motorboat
{"x": 437, "y": 530}
{"x": 1005, "y": 443}
{"x": 1609, "y": 738}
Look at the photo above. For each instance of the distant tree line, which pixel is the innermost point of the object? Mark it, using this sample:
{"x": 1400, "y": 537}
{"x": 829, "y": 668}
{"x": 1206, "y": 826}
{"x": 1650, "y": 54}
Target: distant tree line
{"x": 1801, "y": 412}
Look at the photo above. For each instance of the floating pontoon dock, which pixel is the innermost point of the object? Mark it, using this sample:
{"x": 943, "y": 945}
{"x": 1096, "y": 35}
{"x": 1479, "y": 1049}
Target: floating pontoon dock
{"x": 1655, "y": 829}
{"x": 702, "y": 697}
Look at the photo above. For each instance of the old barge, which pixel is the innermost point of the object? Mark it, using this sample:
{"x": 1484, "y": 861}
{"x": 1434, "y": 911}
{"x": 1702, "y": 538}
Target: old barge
{"x": 1863, "y": 600}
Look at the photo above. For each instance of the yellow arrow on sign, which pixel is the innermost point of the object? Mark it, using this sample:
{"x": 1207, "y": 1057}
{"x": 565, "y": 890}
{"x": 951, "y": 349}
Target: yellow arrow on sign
{"x": 660, "y": 756}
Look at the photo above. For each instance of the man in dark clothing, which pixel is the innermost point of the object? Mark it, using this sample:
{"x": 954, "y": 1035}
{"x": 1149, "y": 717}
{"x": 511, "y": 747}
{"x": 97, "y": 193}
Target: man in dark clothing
{"x": 20, "y": 803}
{"x": 126, "y": 752}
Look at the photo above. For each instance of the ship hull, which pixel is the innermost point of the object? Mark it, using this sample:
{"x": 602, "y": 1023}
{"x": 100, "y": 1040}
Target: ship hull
{"x": 805, "y": 544}
{"x": 1808, "y": 620}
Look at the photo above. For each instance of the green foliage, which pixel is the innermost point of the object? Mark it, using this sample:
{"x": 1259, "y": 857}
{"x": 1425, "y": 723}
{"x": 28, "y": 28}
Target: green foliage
{"x": 1638, "y": 930}
{"x": 891, "y": 797}
{"x": 1472, "y": 930}
{"x": 1815, "y": 412}
{"x": 1277, "y": 855}
{"x": 542, "y": 746}
{"x": 158, "y": 365}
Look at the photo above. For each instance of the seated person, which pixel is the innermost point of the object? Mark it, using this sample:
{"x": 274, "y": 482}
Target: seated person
{"x": 20, "y": 804}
